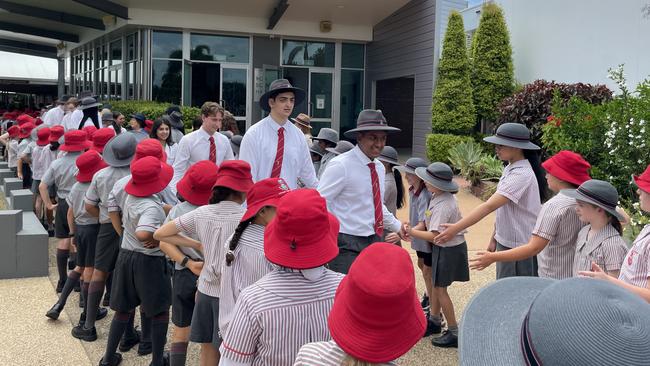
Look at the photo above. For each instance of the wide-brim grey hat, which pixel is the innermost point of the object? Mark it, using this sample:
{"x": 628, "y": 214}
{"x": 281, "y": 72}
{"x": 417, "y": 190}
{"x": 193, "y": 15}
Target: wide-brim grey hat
{"x": 599, "y": 193}
{"x": 120, "y": 150}
{"x": 175, "y": 119}
{"x": 389, "y": 155}
{"x": 540, "y": 321}
{"x": 513, "y": 135}
{"x": 371, "y": 120}
{"x": 327, "y": 134}
{"x": 88, "y": 102}
{"x": 411, "y": 164}
{"x": 316, "y": 149}
{"x": 277, "y": 87}
{"x": 342, "y": 147}
{"x": 438, "y": 175}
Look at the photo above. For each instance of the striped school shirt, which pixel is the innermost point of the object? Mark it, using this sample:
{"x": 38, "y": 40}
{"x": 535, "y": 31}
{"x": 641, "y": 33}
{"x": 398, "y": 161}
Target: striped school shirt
{"x": 324, "y": 354}
{"x": 418, "y": 204}
{"x": 277, "y": 315}
{"x": 636, "y": 265}
{"x": 212, "y": 225}
{"x": 606, "y": 248}
{"x": 177, "y": 211}
{"x": 558, "y": 223}
{"x": 515, "y": 220}
{"x": 443, "y": 209}
{"x": 249, "y": 266}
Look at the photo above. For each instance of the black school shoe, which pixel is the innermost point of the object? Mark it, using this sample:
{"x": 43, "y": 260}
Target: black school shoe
{"x": 432, "y": 328}
{"x": 446, "y": 340}
{"x": 126, "y": 344}
{"x": 145, "y": 348}
{"x": 88, "y": 335}
{"x": 117, "y": 359}
{"x": 101, "y": 313}
{"x": 54, "y": 312}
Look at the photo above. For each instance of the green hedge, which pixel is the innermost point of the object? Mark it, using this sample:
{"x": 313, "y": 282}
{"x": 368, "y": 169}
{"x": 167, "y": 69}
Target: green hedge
{"x": 438, "y": 145}
{"x": 153, "y": 110}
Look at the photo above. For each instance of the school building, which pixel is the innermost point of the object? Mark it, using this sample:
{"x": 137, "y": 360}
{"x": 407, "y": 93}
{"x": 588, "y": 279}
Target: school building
{"x": 347, "y": 54}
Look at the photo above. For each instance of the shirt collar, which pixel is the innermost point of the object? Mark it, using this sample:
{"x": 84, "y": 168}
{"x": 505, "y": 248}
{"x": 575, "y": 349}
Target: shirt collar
{"x": 361, "y": 156}
{"x": 204, "y": 133}
{"x": 518, "y": 164}
{"x": 274, "y": 125}
{"x": 603, "y": 234}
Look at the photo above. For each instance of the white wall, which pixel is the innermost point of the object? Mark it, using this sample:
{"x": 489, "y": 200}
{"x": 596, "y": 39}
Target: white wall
{"x": 576, "y": 40}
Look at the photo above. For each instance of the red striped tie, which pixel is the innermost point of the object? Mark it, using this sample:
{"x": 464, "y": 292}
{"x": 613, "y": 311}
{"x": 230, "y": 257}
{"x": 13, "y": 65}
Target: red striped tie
{"x": 279, "y": 155}
{"x": 376, "y": 197}
{"x": 213, "y": 150}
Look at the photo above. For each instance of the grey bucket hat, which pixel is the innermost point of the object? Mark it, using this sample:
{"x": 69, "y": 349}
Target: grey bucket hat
{"x": 120, "y": 150}
{"x": 235, "y": 143}
{"x": 327, "y": 134}
{"x": 316, "y": 149}
{"x": 371, "y": 120}
{"x": 342, "y": 147}
{"x": 88, "y": 102}
{"x": 277, "y": 87}
{"x": 412, "y": 164}
{"x": 513, "y": 135}
{"x": 388, "y": 155}
{"x": 540, "y": 321}
{"x": 175, "y": 119}
{"x": 228, "y": 134}
{"x": 597, "y": 192}
{"x": 438, "y": 175}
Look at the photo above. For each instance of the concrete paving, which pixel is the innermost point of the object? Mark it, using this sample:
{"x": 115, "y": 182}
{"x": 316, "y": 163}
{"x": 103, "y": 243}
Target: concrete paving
{"x": 33, "y": 339}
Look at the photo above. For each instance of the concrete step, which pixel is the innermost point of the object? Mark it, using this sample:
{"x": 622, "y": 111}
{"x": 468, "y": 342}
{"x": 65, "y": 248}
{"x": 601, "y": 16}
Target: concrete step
{"x": 12, "y": 183}
{"x": 6, "y": 173}
{"x": 11, "y": 221}
{"x": 31, "y": 248}
{"x": 22, "y": 199}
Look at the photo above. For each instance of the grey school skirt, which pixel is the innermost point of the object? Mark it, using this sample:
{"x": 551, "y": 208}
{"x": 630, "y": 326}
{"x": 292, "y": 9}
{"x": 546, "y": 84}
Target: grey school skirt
{"x": 449, "y": 264}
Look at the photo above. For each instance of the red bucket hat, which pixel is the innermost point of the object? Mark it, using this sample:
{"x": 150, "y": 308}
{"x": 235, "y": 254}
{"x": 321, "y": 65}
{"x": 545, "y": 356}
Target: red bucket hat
{"x": 377, "y": 316}
{"x": 266, "y": 192}
{"x": 75, "y": 140}
{"x": 56, "y": 132}
{"x": 101, "y": 138}
{"x": 150, "y": 147}
{"x": 148, "y": 124}
{"x": 235, "y": 174}
{"x": 24, "y": 119}
{"x": 643, "y": 180}
{"x": 303, "y": 233}
{"x": 14, "y": 131}
{"x": 26, "y": 130}
{"x": 196, "y": 185}
{"x": 90, "y": 131}
{"x": 88, "y": 164}
{"x": 149, "y": 176}
{"x": 568, "y": 166}
{"x": 43, "y": 136}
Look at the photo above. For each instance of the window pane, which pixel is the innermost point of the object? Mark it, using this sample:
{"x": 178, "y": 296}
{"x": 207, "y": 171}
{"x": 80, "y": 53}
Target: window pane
{"x": 130, "y": 69}
{"x": 116, "y": 52}
{"x": 298, "y": 77}
{"x": 130, "y": 47}
{"x": 351, "y": 98}
{"x": 234, "y": 91}
{"x": 104, "y": 55}
{"x": 98, "y": 58}
{"x": 167, "y": 45}
{"x": 321, "y": 95}
{"x": 352, "y": 55}
{"x": 219, "y": 48}
{"x": 166, "y": 81}
{"x": 308, "y": 53}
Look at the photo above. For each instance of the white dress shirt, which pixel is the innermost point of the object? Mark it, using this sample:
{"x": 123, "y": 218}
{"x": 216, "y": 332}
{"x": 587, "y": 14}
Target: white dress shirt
{"x": 259, "y": 147}
{"x": 194, "y": 147}
{"x": 347, "y": 187}
{"x": 54, "y": 116}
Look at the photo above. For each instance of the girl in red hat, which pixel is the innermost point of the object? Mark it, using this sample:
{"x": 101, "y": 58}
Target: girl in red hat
{"x": 635, "y": 270}
{"x": 245, "y": 261}
{"x": 212, "y": 224}
{"x": 41, "y": 160}
{"x": 10, "y": 140}
{"x": 554, "y": 237}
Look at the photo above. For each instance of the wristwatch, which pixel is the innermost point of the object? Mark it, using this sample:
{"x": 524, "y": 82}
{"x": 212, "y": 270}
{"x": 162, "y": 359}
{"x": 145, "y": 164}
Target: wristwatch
{"x": 184, "y": 261}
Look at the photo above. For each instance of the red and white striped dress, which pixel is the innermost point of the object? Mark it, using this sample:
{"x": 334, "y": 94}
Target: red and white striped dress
{"x": 636, "y": 265}
{"x": 324, "y": 354}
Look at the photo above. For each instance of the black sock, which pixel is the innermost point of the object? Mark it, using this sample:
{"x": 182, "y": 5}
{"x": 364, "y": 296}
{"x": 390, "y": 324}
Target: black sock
{"x": 120, "y": 320}
{"x": 72, "y": 261}
{"x": 70, "y": 283}
{"x": 178, "y": 354}
{"x": 159, "y": 325}
{"x": 62, "y": 263}
{"x": 130, "y": 333}
{"x": 109, "y": 283}
{"x": 146, "y": 324}
{"x": 84, "y": 294}
{"x": 95, "y": 291}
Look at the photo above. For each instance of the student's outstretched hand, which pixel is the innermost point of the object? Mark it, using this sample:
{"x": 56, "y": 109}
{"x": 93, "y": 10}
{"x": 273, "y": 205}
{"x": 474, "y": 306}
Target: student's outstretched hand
{"x": 481, "y": 261}
{"x": 596, "y": 272}
{"x": 447, "y": 233}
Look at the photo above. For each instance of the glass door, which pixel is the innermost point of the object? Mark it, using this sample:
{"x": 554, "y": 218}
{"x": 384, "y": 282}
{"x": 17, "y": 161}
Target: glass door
{"x": 187, "y": 82}
{"x": 233, "y": 90}
{"x": 320, "y": 99}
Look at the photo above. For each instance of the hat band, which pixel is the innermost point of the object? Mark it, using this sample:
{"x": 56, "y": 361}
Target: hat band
{"x": 302, "y": 121}
{"x": 530, "y": 356}
{"x": 387, "y": 157}
{"x": 409, "y": 166}
{"x": 372, "y": 122}
{"x": 434, "y": 175}
{"x": 501, "y": 134}
{"x": 596, "y": 198}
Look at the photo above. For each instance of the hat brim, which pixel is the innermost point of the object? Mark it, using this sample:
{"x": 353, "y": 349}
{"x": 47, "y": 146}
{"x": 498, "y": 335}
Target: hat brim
{"x": 151, "y": 188}
{"x": 85, "y": 145}
{"x": 25, "y": 135}
{"x": 388, "y": 160}
{"x": 490, "y": 333}
{"x": 297, "y": 92}
{"x": 404, "y": 169}
{"x": 111, "y": 159}
{"x": 374, "y": 345}
{"x": 322, "y": 250}
{"x": 332, "y": 150}
{"x": 86, "y": 177}
{"x": 573, "y": 193}
{"x": 295, "y": 120}
{"x": 316, "y": 152}
{"x": 42, "y": 143}
{"x": 193, "y": 195}
{"x": 237, "y": 184}
{"x": 252, "y": 210}
{"x": 324, "y": 139}
{"x": 558, "y": 172}
{"x": 353, "y": 133}
{"x": 524, "y": 145}
{"x": 643, "y": 185}
{"x": 442, "y": 185}
{"x": 96, "y": 104}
